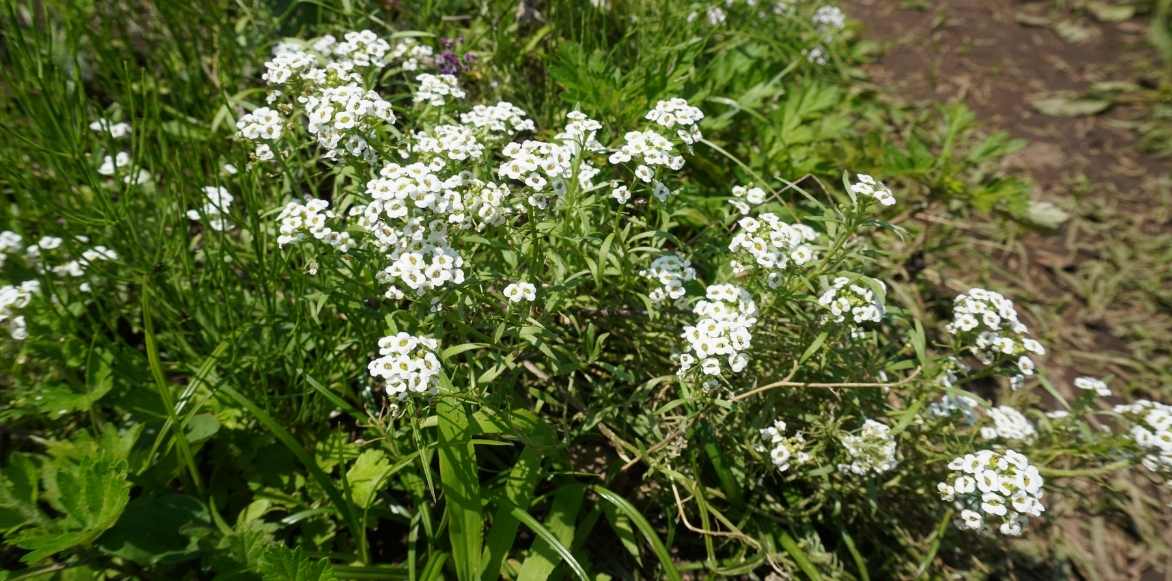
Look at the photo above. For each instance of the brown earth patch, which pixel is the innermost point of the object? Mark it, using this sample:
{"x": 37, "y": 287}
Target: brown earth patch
{"x": 1098, "y": 288}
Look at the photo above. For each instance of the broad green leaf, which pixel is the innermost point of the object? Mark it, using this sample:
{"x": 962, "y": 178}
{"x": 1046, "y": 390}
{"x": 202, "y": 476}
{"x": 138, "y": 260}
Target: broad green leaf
{"x": 460, "y": 481}
{"x": 518, "y": 492}
{"x": 553, "y": 537}
{"x": 18, "y": 492}
{"x": 367, "y": 476}
{"x": 158, "y": 529}
{"x": 282, "y": 564}
{"x": 91, "y": 494}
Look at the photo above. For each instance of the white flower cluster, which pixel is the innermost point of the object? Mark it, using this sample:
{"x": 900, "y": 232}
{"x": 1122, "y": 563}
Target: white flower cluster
{"x": 435, "y": 89}
{"x": 1008, "y": 424}
{"x": 671, "y": 271}
{"x": 520, "y": 291}
{"x": 961, "y": 407}
{"x": 548, "y": 167}
{"x": 114, "y": 130}
{"x": 453, "y": 142}
{"x": 504, "y": 118}
{"x": 35, "y": 255}
{"x": 829, "y": 18}
{"x": 816, "y": 55}
{"x": 407, "y": 364}
{"x": 853, "y": 303}
{"x": 676, "y": 113}
{"x": 773, "y": 244}
{"x": 412, "y": 54}
{"x": 870, "y": 187}
{"x": 723, "y": 331}
{"x": 744, "y": 198}
{"x": 111, "y": 164}
{"x": 651, "y": 149}
{"x": 408, "y": 215}
{"x": 1152, "y": 432}
{"x": 340, "y": 111}
{"x": 215, "y": 209}
{"x": 263, "y": 124}
{"x": 360, "y": 48}
{"x": 432, "y": 266}
{"x": 318, "y": 59}
{"x": 987, "y": 323}
{"x": 296, "y": 219}
{"x": 1093, "y": 384}
{"x": 10, "y": 243}
{"x": 784, "y": 451}
{"x": 345, "y": 111}
{"x": 871, "y": 451}
{"x": 114, "y": 165}
{"x": 993, "y": 488}
{"x": 489, "y": 202}
{"x": 12, "y": 299}
{"x": 76, "y": 268}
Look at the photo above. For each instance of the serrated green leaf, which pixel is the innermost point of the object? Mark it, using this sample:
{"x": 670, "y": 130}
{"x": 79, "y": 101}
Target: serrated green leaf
{"x": 91, "y": 494}
{"x": 18, "y": 492}
{"x": 283, "y": 564}
{"x": 158, "y": 529}
{"x": 367, "y": 476}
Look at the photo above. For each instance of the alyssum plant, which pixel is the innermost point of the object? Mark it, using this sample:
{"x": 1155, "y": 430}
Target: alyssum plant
{"x": 545, "y": 314}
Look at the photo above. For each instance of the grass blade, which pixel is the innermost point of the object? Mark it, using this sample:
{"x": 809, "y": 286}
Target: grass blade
{"x": 544, "y": 556}
{"x": 657, "y": 546}
{"x": 306, "y": 459}
{"x": 539, "y": 565}
{"x": 799, "y": 556}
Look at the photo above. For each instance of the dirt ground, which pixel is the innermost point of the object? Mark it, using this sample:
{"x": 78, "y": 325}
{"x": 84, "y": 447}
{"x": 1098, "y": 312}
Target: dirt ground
{"x": 1098, "y": 288}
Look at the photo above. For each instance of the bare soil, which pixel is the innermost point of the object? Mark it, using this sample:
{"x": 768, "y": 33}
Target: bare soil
{"x": 1099, "y": 287}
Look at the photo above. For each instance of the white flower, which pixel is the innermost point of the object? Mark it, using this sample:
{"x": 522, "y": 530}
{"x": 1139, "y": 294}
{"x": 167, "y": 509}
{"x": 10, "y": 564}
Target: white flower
{"x": 1008, "y": 424}
{"x": 520, "y": 291}
{"x": 111, "y": 165}
{"x": 849, "y": 303}
{"x": 784, "y": 451}
{"x": 986, "y": 323}
{"x": 1093, "y": 384}
{"x": 114, "y": 130}
{"x": 1152, "y": 433}
{"x": 871, "y": 451}
{"x": 436, "y": 89}
{"x": 215, "y": 209}
{"x": 406, "y": 364}
{"x": 829, "y": 17}
{"x": 996, "y": 488}
{"x": 13, "y": 298}
{"x": 776, "y": 246}
{"x": 869, "y": 187}
{"x": 722, "y": 331}
{"x": 671, "y": 272}
{"x": 262, "y": 124}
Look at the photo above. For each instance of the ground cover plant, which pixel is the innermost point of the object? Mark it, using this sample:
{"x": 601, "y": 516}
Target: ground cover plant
{"x": 345, "y": 290}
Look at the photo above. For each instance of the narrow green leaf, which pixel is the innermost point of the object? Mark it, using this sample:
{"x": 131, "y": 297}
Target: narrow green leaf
{"x": 540, "y": 565}
{"x": 799, "y": 556}
{"x": 460, "y": 482}
{"x": 283, "y": 435}
{"x": 657, "y": 546}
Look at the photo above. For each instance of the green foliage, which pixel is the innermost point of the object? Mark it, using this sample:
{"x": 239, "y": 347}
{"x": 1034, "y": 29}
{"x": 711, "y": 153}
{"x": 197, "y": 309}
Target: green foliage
{"x": 200, "y": 402}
